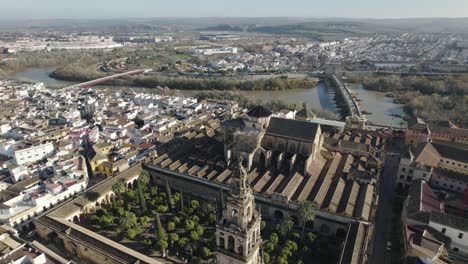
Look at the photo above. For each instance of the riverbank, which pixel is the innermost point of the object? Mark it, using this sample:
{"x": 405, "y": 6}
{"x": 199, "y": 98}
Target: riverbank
{"x": 382, "y": 109}
{"x": 317, "y": 97}
{"x": 188, "y": 83}
{"x": 22, "y": 61}
{"x": 431, "y": 98}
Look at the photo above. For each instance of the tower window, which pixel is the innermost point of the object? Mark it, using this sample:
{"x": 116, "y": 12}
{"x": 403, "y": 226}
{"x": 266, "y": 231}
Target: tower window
{"x": 221, "y": 242}
{"x": 231, "y": 243}
{"x": 234, "y": 213}
{"x": 240, "y": 250}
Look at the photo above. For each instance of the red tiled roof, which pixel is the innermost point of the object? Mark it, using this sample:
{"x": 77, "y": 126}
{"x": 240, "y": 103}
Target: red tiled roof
{"x": 145, "y": 146}
{"x": 53, "y": 185}
{"x": 429, "y": 200}
{"x": 68, "y": 184}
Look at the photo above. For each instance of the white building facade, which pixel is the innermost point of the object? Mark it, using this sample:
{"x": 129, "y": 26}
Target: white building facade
{"x": 33, "y": 153}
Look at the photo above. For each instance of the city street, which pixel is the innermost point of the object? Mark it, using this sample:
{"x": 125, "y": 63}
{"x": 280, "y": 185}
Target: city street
{"x": 384, "y": 212}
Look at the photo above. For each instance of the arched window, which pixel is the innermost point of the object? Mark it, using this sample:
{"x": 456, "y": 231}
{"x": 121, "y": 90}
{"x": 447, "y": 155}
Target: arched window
{"x": 76, "y": 219}
{"x": 221, "y": 242}
{"x": 304, "y": 150}
{"x": 292, "y": 148}
{"x": 231, "y": 243}
{"x": 279, "y": 215}
{"x": 240, "y": 250}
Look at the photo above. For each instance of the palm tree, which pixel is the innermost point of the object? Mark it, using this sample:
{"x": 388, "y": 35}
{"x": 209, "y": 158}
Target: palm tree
{"x": 118, "y": 187}
{"x": 285, "y": 226}
{"x": 128, "y": 220}
{"x": 144, "y": 178}
{"x": 306, "y": 210}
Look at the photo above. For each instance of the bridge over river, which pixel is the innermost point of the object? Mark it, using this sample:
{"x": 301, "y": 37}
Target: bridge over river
{"x": 105, "y": 79}
{"x": 351, "y": 105}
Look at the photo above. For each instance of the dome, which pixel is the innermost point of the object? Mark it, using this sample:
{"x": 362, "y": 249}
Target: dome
{"x": 259, "y": 112}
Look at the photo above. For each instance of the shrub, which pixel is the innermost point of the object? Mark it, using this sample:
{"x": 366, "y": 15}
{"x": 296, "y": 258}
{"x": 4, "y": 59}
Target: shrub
{"x": 205, "y": 252}
{"x": 131, "y": 233}
{"x": 274, "y": 238}
{"x": 171, "y": 226}
{"x": 266, "y": 258}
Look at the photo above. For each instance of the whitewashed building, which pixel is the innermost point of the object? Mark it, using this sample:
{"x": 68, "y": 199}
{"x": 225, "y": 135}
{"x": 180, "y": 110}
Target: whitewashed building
{"x": 33, "y": 153}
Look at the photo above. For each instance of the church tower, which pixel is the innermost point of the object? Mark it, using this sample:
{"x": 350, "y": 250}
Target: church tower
{"x": 238, "y": 237}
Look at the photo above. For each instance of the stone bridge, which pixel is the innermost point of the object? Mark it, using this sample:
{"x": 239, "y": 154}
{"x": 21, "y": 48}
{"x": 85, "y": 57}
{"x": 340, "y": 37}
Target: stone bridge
{"x": 351, "y": 104}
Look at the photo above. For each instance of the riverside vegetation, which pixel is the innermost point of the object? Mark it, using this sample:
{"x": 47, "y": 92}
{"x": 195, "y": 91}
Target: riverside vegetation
{"x": 85, "y": 65}
{"x": 188, "y": 83}
{"x": 78, "y": 58}
{"x": 432, "y": 98}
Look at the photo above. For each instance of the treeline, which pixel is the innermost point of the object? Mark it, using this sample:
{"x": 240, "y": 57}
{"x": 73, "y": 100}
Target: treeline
{"x": 445, "y": 85}
{"x": 436, "y": 107}
{"x": 78, "y": 58}
{"x": 77, "y": 74}
{"x": 431, "y": 98}
{"x": 186, "y": 83}
{"x": 274, "y": 105}
{"x": 224, "y": 84}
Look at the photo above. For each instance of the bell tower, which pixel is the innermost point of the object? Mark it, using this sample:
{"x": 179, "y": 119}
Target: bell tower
{"x": 238, "y": 237}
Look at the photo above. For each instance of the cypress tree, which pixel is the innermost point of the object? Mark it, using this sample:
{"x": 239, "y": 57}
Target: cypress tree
{"x": 168, "y": 195}
{"x": 125, "y": 204}
{"x": 114, "y": 203}
{"x": 141, "y": 198}
{"x": 160, "y": 231}
{"x": 181, "y": 200}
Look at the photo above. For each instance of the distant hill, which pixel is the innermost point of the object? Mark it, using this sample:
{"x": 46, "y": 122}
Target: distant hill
{"x": 331, "y": 30}
{"x": 222, "y": 28}
{"x": 321, "y": 29}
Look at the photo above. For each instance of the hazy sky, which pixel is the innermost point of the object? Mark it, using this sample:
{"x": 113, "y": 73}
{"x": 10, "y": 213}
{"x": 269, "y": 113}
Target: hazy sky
{"x": 38, "y": 9}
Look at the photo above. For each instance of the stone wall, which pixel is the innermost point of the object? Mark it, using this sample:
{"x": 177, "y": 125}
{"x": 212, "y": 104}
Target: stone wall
{"x": 200, "y": 188}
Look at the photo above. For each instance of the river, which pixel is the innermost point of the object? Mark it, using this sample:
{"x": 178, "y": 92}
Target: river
{"x": 382, "y": 108}
{"x": 40, "y": 75}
